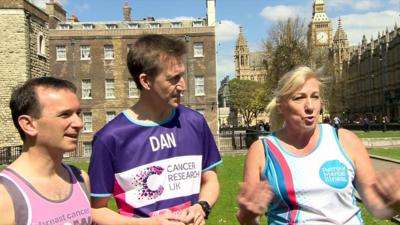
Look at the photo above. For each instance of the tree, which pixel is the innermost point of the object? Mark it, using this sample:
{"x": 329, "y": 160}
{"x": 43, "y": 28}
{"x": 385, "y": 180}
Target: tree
{"x": 248, "y": 98}
{"x": 286, "y": 46}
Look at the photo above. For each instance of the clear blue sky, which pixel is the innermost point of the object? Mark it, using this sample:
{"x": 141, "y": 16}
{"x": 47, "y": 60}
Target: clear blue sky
{"x": 256, "y": 16}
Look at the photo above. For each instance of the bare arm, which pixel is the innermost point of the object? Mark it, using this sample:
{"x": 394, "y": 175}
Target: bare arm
{"x": 380, "y": 194}
{"x": 255, "y": 193}
{"x": 6, "y": 207}
{"x": 101, "y": 214}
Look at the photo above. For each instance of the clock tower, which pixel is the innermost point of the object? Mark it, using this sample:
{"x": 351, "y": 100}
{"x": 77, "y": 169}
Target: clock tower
{"x": 320, "y": 27}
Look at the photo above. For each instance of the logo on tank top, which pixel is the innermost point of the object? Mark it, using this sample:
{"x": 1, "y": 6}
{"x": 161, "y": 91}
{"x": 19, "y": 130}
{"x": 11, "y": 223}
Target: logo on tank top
{"x": 334, "y": 173}
{"x": 141, "y": 180}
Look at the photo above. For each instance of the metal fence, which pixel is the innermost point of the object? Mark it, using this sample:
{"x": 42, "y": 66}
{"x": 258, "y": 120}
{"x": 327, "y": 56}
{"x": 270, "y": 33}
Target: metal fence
{"x": 9, "y": 154}
{"x": 227, "y": 140}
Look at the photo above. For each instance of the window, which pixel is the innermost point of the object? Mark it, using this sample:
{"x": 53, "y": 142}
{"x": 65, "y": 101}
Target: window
{"x": 61, "y": 53}
{"x": 176, "y": 25}
{"x": 85, "y": 52}
{"x": 86, "y": 89}
{"x": 109, "y": 116}
{"x": 87, "y": 26}
{"x": 133, "y": 26}
{"x": 111, "y": 26}
{"x": 87, "y": 122}
{"x": 64, "y": 27}
{"x": 198, "y": 24}
{"x": 199, "y": 86}
{"x": 110, "y": 88}
{"x": 41, "y": 45}
{"x": 87, "y": 148}
{"x": 198, "y": 49}
{"x": 155, "y": 25}
{"x": 133, "y": 92}
{"x": 108, "y": 52}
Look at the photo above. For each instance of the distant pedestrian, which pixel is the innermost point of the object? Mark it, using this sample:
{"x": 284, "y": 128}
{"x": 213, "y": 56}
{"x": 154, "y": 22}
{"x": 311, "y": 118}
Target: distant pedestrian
{"x": 385, "y": 120}
{"x": 336, "y": 122}
{"x": 366, "y": 124}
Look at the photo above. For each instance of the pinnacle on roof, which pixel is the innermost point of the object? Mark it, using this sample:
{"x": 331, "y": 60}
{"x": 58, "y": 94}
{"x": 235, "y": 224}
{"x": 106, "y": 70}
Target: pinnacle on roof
{"x": 340, "y": 34}
{"x": 241, "y": 39}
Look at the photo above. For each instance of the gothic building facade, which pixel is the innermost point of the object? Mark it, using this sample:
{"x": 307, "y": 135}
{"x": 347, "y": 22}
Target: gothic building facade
{"x": 249, "y": 65}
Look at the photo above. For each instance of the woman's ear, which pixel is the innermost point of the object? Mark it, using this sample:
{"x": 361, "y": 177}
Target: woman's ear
{"x": 28, "y": 125}
{"x": 144, "y": 80}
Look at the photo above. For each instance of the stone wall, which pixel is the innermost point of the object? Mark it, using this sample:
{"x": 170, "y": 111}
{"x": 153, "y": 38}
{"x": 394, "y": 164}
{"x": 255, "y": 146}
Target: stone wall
{"x": 13, "y": 67}
{"x": 20, "y": 24}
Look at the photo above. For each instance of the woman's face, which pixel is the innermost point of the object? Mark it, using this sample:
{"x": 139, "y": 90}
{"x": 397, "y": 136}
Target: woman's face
{"x": 301, "y": 109}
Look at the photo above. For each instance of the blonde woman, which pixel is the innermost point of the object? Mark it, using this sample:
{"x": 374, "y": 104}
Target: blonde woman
{"x": 306, "y": 172}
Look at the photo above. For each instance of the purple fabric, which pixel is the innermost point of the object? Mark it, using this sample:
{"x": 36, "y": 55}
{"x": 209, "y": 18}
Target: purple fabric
{"x": 124, "y": 149}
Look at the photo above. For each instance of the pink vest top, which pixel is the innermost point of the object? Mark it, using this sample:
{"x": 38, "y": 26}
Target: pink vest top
{"x": 33, "y": 208}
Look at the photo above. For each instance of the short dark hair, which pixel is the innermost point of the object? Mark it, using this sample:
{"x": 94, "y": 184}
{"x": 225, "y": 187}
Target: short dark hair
{"x": 148, "y": 53}
{"x": 24, "y": 99}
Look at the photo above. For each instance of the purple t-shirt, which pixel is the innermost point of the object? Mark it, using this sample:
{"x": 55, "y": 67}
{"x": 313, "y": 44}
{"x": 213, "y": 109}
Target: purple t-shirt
{"x": 152, "y": 168}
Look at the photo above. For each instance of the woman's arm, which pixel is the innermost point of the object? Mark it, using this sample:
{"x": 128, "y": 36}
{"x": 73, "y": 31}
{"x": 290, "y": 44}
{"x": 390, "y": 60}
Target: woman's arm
{"x": 255, "y": 193}
{"x": 379, "y": 193}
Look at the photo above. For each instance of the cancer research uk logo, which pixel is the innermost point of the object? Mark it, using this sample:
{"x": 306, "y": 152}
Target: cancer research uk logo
{"x": 141, "y": 180}
{"x": 334, "y": 173}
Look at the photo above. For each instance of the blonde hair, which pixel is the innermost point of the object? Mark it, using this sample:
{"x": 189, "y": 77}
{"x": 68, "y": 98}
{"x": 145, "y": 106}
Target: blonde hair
{"x": 287, "y": 85}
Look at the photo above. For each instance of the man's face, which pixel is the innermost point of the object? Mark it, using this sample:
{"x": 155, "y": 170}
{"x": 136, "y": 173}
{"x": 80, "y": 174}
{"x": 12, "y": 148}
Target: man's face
{"x": 59, "y": 123}
{"x": 169, "y": 83}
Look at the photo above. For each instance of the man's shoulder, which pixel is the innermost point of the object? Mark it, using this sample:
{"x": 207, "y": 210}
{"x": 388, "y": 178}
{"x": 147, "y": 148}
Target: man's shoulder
{"x": 6, "y": 205}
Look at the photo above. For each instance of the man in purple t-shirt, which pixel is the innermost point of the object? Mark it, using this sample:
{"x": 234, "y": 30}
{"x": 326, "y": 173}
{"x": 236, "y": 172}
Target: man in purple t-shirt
{"x": 157, "y": 158}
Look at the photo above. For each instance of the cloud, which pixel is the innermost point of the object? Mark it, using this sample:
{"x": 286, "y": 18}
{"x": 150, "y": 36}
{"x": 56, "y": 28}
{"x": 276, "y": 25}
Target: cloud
{"x": 280, "y": 12}
{"x": 225, "y": 67}
{"x": 42, "y": 3}
{"x": 359, "y": 5}
{"x": 357, "y": 25}
{"x": 227, "y": 30}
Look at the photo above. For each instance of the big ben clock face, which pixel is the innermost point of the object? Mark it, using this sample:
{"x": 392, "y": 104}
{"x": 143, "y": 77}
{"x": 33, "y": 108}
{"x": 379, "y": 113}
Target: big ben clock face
{"x": 322, "y": 37}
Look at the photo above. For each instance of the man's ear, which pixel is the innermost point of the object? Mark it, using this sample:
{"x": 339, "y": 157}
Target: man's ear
{"x": 144, "y": 80}
{"x": 27, "y": 125}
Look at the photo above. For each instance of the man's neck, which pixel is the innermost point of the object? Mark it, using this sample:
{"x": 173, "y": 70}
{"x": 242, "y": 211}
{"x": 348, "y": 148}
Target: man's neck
{"x": 145, "y": 111}
{"x": 37, "y": 162}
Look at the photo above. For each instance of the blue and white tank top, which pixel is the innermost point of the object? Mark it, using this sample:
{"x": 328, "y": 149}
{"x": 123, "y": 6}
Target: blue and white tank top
{"x": 313, "y": 189}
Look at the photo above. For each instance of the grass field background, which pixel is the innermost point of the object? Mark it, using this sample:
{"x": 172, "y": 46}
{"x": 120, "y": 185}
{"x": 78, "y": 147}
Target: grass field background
{"x": 230, "y": 174}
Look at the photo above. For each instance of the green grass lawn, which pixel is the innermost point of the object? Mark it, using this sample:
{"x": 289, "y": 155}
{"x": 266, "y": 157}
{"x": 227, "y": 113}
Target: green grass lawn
{"x": 377, "y": 134}
{"x": 393, "y": 153}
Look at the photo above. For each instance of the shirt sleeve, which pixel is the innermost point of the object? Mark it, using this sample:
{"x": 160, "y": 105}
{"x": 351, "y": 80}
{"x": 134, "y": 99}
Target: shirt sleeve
{"x": 211, "y": 156}
{"x": 101, "y": 169}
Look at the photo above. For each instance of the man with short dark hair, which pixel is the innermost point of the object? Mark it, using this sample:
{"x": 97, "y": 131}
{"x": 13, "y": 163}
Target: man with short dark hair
{"x": 157, "y": 157}
{"x": 37, "y": 188}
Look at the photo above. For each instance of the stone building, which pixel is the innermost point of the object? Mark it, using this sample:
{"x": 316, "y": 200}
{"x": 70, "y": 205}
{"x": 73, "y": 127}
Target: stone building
{"x": 93, "y": 56}
{"x": 249, "y": 65}
{"x": 372, "y": 78}
{"x": 320, "y": 27}
{"x": 24, "y": 54}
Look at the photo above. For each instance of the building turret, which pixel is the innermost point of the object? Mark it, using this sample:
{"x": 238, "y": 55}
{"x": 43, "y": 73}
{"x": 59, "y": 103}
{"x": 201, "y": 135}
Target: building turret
{"x": 127, "y": 11}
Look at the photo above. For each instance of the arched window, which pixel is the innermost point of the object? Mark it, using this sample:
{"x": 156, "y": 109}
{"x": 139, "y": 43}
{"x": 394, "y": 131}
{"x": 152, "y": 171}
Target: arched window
{"x": 41, "y": 45}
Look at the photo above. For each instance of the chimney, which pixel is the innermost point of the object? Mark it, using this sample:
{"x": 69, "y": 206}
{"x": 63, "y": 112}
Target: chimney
{"x": 56, "y": 13}
{"x": 73, "y": 18}
{"x": 127, "y": 11}
{"x": 210, "y": 13}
